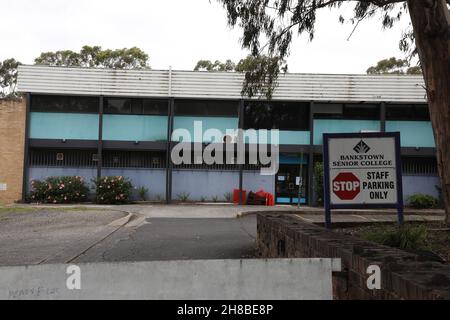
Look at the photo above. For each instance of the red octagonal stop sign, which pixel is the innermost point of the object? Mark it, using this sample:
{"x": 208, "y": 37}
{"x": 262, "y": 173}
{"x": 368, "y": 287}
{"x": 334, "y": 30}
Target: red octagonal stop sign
{"x": 346, "y": 186}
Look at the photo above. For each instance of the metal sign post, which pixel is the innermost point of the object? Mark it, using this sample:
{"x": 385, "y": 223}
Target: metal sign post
{"x": 300, "y": 181}
{"x": 362, "y": 171}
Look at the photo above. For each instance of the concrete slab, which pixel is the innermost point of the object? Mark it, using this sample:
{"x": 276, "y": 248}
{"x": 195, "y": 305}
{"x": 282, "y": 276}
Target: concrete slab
{"x": 255, "y": 279}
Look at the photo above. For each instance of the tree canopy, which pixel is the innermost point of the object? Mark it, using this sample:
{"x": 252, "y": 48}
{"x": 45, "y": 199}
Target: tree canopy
{"x": 8, "y": 78}
{"x": 207, "y": 65}
{"x": 394, "y": 66}
{"x": 96, "y": 57}
{"x": 255, "y": 68}
{"x": 269, "y": 25}
{"x": 88, "y": 57}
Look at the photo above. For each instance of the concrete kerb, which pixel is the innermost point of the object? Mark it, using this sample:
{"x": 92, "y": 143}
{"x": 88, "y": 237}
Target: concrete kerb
{"x": 320, "y": 211}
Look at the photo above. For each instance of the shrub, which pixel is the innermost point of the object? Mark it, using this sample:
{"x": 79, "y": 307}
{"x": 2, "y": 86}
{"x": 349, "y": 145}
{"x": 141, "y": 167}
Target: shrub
{"x": 143, "y": 193}
{"x": 215, "y": 198}
{"x": 409, "y": 237}
{"x": 202, "y": 199}
{"x": 65, "y": 189}
{"x": 318, "y": 179}
{"x": 113, "y": 190}
{"x": 422, "y": 201}
{"x": 184, "y": 196}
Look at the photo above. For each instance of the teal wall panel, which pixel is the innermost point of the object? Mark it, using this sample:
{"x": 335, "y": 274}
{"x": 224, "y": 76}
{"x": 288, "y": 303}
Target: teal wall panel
{"x": 413, "y": 133}
{"x": 134, "y": 128}
{"x": 322, "y": 126}
{"x": 47, "y": 125}
{"x": 285, "y": 137}
{"x": 220, "y": 123}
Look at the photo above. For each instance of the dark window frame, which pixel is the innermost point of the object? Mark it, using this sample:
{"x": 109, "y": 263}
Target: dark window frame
{"x": 407, "y": 112}
{"x": 296, "y": 121}
{"x": 211, "y": 108}
{"x": 64, "y": 104}
{"x": 348, "y": 112}
{"x": 161, "y": 109}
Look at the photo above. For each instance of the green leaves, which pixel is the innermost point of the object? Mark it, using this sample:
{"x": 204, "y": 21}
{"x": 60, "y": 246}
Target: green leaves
{"x": 268, "y": 27}
{"x": 207, "y": 65}
{"x": 260, "y": 72}
{"x": 95, "y": 57}
{"x": 8, "y": 78}
{"x": 394, "y": 66}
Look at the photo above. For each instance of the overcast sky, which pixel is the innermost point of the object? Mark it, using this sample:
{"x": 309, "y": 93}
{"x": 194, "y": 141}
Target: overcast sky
{"x": 178, "y": 33}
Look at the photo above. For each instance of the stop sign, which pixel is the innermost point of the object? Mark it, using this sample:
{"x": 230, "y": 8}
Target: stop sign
{"x": 346, "y": 186}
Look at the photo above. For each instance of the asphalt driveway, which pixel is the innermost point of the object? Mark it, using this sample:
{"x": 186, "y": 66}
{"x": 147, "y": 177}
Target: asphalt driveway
{"x": 179, "y": 239}
{"x": 34, "y": 236}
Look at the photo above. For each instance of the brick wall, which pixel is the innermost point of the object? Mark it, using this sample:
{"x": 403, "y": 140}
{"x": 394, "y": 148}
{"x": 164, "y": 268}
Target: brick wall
{"x": 403, "y": 275}
{"x": 12, "y": 139}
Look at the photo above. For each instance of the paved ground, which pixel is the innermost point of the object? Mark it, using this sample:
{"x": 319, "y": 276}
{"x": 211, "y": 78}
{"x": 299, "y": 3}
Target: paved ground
{"x": 179, "y": 239}
{"x": 52, "y": 234}
{"x": 46, "y": 236}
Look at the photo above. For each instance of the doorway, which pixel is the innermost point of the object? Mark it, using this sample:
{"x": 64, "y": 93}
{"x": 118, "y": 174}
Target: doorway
{"x": 289, "y": 180}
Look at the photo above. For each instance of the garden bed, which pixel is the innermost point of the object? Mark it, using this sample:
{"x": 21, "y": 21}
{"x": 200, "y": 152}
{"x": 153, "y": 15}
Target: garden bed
{"x": 429, "y": 240}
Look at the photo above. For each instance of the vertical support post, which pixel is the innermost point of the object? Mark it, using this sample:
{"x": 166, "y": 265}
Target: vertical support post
{"x": 100, "y": 138}
{"x": 169, "y": 165}
{"x": 398, "y": 160}
{"x": 300, "y": 181}
{"x": 326, "y": 182}
{"x": 26, "y": 161}
{"x": 311, "y": 154}
{"x": 241, "y": 140}
{"x": 383, "y": 117}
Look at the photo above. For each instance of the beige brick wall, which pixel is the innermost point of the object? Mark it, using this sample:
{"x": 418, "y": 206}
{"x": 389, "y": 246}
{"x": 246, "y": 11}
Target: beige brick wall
{"x": 12, "y": 140}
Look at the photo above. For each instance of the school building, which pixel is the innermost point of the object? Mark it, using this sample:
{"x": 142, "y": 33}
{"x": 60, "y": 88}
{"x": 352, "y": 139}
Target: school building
{"x": 98, "y": 122}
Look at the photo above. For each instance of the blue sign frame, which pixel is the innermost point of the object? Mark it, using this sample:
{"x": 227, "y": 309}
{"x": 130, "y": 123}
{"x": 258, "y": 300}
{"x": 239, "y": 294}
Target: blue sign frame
{"x": 398, "y": 169}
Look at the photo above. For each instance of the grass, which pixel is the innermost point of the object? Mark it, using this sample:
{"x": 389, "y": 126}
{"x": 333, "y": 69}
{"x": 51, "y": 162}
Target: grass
{"x": 408, "y": 237}
{"x": 433, "y": 237}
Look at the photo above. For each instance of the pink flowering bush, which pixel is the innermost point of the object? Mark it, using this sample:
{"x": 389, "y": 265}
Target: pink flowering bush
{"x": 113, "y": 190}
{"x": 66, "y": 189}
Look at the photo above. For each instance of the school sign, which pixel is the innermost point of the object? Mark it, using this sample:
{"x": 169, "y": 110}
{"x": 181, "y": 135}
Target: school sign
{"x": 362, "y": 170}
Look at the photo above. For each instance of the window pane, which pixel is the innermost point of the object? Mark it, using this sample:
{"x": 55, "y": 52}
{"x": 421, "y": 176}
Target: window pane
{"x": 136, "y": 106}
{"x": 115, "y": 105}
{"x": 276, "y": 115}
{"x": 206, "y": 108}
{"x": 412, "y": 112}
{"x": 155, "y": 107}
{"x": 41, "y": 103}
{"x": 347, "y": 111}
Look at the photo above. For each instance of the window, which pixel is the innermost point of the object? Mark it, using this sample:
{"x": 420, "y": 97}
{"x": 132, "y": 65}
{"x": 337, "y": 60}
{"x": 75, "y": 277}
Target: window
{"x": 411, "y": 112}
{"x": 346, "y": 111}
{"x": 419, "y": 166}
{"x": 135, "y": 106}
{"x": 133, "y": 159}
{"x": 120, "y": 106}
{"x": 48, "y": 103}
{"x": 276, "y": 115}
{"x": 89, "y": 158}
{"x": 155, "y": 107}
{"x": 206, "y": 108}
{"x": 62, "y": 158}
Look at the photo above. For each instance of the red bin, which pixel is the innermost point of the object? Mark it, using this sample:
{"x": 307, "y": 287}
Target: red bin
{"x": 236, "y": 194}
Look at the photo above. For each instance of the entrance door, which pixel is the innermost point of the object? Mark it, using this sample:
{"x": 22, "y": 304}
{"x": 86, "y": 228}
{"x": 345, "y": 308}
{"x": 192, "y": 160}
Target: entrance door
{"x": 287, "y": 184}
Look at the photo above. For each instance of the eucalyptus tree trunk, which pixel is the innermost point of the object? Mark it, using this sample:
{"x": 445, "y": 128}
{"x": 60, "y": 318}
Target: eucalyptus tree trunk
{"x": 431, "y": 23}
